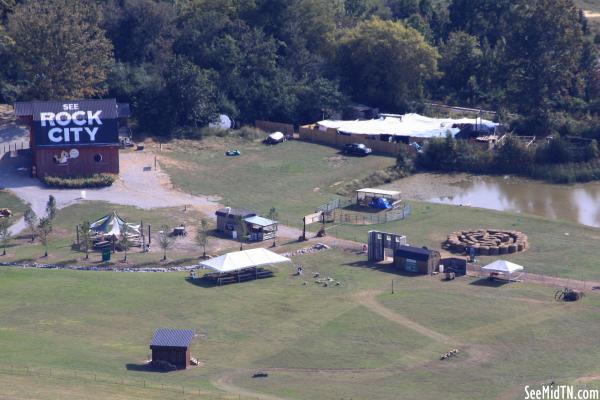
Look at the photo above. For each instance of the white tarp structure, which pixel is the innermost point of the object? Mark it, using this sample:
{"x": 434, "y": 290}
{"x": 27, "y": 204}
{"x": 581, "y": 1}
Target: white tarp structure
{"x": 411, "y": 125}
{"x": 240, "y": 260}
{"x": 113, "y": 225}
{"x": 503, "y": 267}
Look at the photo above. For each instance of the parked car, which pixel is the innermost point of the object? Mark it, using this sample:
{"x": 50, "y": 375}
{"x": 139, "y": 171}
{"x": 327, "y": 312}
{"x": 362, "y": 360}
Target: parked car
{"x": 357, "y": 149}
{"x": 274, "y": 138}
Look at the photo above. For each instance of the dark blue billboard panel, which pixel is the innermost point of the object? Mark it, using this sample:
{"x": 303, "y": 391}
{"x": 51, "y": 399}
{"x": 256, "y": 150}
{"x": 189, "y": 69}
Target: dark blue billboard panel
{"x": 72, "y": 123}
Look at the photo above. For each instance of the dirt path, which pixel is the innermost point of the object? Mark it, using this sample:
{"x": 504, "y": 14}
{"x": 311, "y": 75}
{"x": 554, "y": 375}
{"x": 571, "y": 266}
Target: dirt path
{"x": 367, "y": 299}
{"x": 224, "y": 382}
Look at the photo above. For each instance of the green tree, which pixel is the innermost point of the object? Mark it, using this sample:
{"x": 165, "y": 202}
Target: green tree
{"x": 193, "y": 91}
{"x": 543, "y": 53}
{"x": 60, "y": 49}
{"x": 44, "y": 229}
{"x": 5, "y": 235}
{"x": 125, "y": 241}
{"x": 273, "y": 215}
{"x": 85, "y": 237}
{"x": 31, "y": 220}
{"x": 460, "y": 64}
{"x": 385, "y": 63}
{"x": 513, "y": 156}
{"x": 202, "y": 235}
{"x": 164, "y": 240}
{"x": 241, "y": 228}
{"x": 591, "y": 151}
{"x": 51, "y": 207}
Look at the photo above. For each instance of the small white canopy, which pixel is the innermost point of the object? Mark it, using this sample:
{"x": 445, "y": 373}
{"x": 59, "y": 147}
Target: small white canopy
{"x": 503, "y": 267}
{"x": 239, "y": 260}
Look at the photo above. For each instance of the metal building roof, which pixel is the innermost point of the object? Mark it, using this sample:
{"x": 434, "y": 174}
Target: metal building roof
{"x": 34, "y": 108}
{"x": 236, "y": 212}
{"x": 260, "y": 221}
{"x": 416, "y": 253}
{"x": 167, "y": 337}
{"x": 123, "y": 110}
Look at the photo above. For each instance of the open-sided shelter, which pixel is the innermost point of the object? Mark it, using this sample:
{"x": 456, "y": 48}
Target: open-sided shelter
{"x": 502, "y": 268}
{"x": 416, "y": 259}
{"x": 366, "y": 196}
{"x": 260, "y": 228}
{"x": 112, "y": 225}
{"x": 242, "y": 265}
{"x": 172, "y": 346}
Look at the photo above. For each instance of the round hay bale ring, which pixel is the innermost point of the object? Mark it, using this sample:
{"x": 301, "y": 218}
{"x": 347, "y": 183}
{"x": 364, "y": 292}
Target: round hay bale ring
{"x": 497, "y": 241}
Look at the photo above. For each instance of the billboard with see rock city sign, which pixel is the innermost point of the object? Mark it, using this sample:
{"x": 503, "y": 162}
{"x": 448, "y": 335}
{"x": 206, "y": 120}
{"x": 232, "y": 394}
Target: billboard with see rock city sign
{"x": 75, "y": 123}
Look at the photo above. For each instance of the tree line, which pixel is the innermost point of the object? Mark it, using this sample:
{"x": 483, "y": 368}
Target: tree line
{"x": 182, "y": 62}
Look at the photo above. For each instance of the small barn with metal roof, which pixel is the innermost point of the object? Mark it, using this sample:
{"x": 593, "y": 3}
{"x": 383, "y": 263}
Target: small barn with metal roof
{"x": 172, "y": 346}
{"x": 416, "y": 259}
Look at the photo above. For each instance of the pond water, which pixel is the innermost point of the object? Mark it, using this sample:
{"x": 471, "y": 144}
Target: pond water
{"x": 575, "y": 203}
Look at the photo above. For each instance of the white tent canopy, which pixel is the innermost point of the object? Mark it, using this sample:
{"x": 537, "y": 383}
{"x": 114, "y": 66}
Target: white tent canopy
{"x": 277, "y": 136}
{"x": 411, "y": 125}
{"x": 502, "y": 267}
{"x": 239, "y": 260}
{"x": 113, "y": 225}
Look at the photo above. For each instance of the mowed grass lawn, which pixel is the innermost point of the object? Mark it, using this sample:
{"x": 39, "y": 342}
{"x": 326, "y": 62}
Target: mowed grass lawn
{"x": 13, "y": 203}
{"x": 294, "y": 177}
{"x": 83, "y": 323}
{"x": 63, "y": 235}
{"x": 556, "y": 248}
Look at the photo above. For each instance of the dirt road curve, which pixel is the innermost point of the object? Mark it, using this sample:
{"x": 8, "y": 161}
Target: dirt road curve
{"x": 224, "y": 383}
{"x": 367, "y": 299}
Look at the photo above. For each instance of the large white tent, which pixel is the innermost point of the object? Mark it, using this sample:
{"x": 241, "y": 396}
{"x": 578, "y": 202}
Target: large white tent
{"x": 240, "y": 260}
{"x": 411, "y": 125}
{"x": 503, "y": 267}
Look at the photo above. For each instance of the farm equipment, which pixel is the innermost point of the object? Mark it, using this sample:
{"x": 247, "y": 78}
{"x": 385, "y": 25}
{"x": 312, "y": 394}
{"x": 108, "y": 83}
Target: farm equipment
{"x": 567, "y": 294}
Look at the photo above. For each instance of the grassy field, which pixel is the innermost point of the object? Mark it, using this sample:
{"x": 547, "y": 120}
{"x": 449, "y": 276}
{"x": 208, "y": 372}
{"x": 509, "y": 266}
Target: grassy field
{"x": 13, "y": 203}
{"x": 316, "y": 342}
{"x": 556, "y": 248}
{"x": 64, "y": 235}
{"x": 294, "y": 177}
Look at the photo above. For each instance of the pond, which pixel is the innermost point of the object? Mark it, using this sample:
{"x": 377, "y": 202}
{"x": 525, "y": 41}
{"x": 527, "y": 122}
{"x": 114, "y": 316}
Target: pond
{"x": 575, "y": 203}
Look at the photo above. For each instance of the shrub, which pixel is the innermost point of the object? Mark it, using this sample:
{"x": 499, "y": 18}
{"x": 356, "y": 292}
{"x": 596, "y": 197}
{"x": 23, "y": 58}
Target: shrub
{"x": 94, "y": 181}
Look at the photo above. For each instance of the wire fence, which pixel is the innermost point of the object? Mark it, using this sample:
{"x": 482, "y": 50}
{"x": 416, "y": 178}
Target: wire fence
{"x": 13, "y": 147}
{"x": 87, "y": 377}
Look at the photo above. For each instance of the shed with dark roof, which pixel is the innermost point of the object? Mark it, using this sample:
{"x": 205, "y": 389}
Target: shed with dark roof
{"x": 418, "y": 260}
{"x": 226, "y": 219}
{"x": 172, "y": 346}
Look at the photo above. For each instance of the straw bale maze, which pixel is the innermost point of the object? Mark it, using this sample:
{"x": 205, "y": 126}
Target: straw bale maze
{"x": 487, "y": 242}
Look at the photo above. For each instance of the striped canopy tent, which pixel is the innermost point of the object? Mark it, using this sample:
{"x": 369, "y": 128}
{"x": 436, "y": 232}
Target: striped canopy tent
{"x": 113, "y": 225}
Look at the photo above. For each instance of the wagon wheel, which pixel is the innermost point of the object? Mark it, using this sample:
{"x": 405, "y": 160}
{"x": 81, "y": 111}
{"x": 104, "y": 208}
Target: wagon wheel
{"x": 559, "y": 295}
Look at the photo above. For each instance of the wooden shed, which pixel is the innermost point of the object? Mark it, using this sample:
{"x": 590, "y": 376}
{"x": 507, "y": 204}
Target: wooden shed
{"x": 226, "y": 219}
{"x": 172, "y": 346}
{"x": 416, "y": 259}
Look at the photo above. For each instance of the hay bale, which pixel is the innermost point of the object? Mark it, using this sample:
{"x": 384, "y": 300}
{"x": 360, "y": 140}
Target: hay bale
{"x": 512, "y": 248}
{"x": 520, "y": 247}
{"x": 484, "y": 250}
{"x": 503, "y": 249}
{"x": 493, "y": 250}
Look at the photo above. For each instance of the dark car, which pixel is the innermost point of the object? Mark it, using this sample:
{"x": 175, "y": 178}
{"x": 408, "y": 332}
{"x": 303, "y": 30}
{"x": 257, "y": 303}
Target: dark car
{"x": 357, "y": 149}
